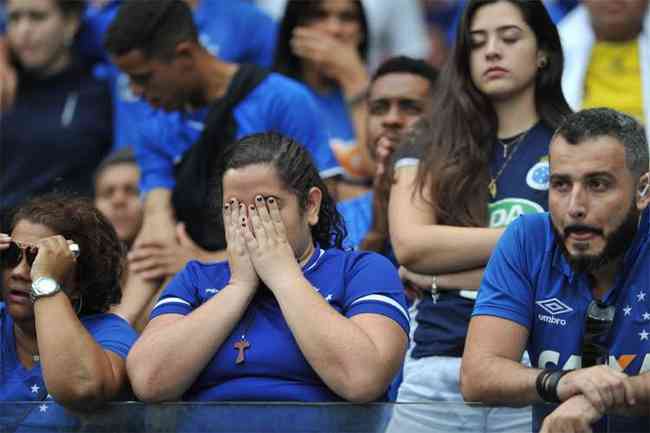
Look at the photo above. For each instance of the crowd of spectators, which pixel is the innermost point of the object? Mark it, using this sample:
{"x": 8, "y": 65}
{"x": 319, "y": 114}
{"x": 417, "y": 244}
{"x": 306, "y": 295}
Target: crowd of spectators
{"x": 361, "y": 200}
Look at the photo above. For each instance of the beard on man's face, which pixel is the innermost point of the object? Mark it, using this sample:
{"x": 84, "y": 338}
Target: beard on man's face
{"x": 616, "y": 243}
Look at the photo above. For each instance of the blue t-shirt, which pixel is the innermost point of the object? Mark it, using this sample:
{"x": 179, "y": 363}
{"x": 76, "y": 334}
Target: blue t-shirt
{"x": 522, "y": 188}
{"x": 55, "y": 135}
{"x": 275, "y": 369}
{"x": 357, "y": 216}
{"x": 277, "y": 104}
{"x": 529, "y": 282}
{"x": 233, "y": 30}
{"x": 20, "y": 384}
{"x": 335, "y": 119}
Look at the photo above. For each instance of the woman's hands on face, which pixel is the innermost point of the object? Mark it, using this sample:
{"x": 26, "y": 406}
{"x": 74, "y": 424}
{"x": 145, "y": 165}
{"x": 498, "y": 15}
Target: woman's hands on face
{"x": 242, "y": 272}
{"x": 268, "y": 246}
{"x": 54, "y": 259}
{"x": 338, "y": 60}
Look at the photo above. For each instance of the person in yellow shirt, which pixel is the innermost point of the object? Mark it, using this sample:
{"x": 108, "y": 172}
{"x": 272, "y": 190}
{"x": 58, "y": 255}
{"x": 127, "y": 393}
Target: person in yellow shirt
{"x": 607, "y": 47}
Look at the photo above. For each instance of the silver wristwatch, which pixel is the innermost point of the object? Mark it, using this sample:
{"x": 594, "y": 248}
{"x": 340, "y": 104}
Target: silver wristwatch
{"x": 44, "y": 286}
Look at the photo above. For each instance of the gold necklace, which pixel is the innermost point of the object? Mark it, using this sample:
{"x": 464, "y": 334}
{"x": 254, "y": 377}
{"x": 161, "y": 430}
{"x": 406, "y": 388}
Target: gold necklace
{"x": 35, "y": 356}
{"x": 492, "y": 186}
{"x": 20, "y": 345}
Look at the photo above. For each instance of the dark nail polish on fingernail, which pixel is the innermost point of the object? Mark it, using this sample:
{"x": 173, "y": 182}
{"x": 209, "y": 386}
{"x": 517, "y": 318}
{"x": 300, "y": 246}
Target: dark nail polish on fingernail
{"x": 226, "y": 206}
{"x": 271, "y": 200}
{"x": 258, "y": 198}
{"x": 251, "y": 207}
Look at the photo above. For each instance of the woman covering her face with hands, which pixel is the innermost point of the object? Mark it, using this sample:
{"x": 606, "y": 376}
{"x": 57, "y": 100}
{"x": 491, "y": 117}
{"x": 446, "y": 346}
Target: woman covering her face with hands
{"x": 289, "y": 316}
{"x": 323, "y": 44}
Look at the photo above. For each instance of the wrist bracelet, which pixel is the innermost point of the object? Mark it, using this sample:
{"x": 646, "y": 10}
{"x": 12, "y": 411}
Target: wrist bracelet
{"x": 547, "y": 382}
{"x": 434, "y": 289}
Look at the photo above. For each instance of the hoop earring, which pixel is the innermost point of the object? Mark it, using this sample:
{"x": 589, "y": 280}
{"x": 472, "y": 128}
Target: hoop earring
{"x": 79, "y": 305}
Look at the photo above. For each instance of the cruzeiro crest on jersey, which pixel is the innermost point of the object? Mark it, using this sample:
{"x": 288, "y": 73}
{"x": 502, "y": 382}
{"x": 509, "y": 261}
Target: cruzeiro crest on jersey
{"x": 539, "y": 174}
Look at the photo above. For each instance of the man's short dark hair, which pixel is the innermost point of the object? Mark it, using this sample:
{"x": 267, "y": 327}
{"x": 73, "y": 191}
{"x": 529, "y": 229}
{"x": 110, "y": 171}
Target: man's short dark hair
{"x": 153, "y": 27}
{"x": 598, "y": 122}
{"x": 70, "y": 7}
{"x": 407, "y": 65}
{"x": 122, "y": 156}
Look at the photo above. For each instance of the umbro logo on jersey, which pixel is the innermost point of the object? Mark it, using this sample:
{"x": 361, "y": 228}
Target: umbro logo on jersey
{"x": 554, "y": 307}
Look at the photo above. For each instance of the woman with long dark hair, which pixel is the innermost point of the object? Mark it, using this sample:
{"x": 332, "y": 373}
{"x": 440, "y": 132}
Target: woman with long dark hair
{"x": 478, "y": 163}
{"x": 278, "y": 319}
{"x": 324, "y": 45}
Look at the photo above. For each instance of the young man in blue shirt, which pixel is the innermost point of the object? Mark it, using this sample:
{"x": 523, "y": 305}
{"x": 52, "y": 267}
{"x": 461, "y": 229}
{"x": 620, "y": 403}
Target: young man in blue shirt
{"x": 553, "y": 276}
{"x": 156, "y": 44}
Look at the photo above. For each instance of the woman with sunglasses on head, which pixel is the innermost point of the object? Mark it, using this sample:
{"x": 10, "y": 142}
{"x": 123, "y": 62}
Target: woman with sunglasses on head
{"x": 290, "y": 316}
{"x": 478, "y": 163}
{"x": 61, "y": 263}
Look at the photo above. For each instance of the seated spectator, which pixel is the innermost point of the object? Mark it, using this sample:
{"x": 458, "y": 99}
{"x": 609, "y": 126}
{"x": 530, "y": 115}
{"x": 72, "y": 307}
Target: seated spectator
{"x": 61, "y": 264}
{"x": 233, "y": 29}
{"x": 481, "y": 162}
{"x": 171, "y": 69}
{"x": 570, "y": 286}
{"x": 278, "y": 319}
{"x": 59, "y": 127}
{"x": 117, "y": 194}
{"x": 396, "y": 27}
{"x": 400, "y": 93}
{"x": 607, "y": 45}
{"x": 323, "y": 44}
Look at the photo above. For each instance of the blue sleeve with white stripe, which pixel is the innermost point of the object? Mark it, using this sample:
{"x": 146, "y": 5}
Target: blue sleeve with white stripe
{"x": 181, "y": 295}
{"x": 373, "y": 286}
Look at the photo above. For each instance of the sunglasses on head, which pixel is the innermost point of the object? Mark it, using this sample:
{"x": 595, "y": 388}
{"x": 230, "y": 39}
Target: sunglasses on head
{"x": 598, "y": 323}
{"x": 12, "y": 256}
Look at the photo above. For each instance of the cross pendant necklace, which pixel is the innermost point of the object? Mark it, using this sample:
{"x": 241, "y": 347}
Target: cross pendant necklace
{"x": 492, "y": 185}
{"x": 242, "y": 344}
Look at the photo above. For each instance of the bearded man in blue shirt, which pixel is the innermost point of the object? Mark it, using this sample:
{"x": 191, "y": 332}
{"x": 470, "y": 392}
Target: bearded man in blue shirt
{"x": 571, "y": 287}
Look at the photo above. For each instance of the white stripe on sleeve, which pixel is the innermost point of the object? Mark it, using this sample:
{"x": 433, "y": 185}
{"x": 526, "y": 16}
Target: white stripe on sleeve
{"x": 171, "y": 300}
{"x": 385, "y": 299}
{"x": 406, "y": 162}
